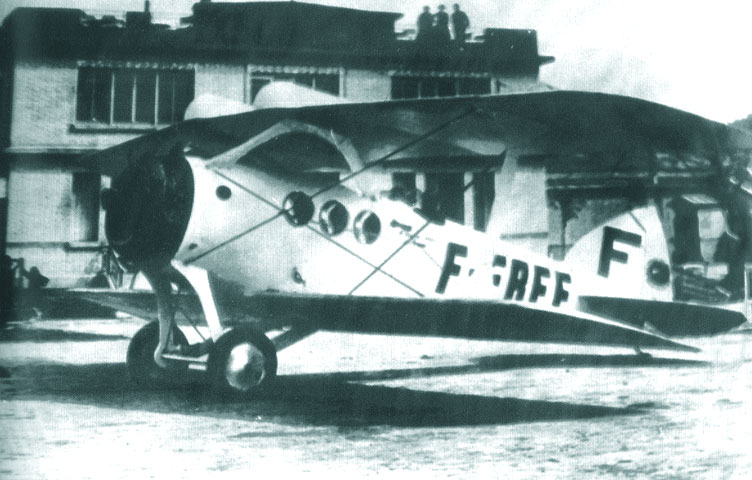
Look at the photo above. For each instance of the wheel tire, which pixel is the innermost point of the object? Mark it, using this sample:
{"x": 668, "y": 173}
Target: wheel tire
{"x": 243, "y": 361}
{"x": 139, "y": 361}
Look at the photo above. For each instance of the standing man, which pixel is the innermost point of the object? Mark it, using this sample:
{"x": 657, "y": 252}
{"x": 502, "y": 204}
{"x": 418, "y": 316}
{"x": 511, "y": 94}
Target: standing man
{"x": 441, "y": 27}
{"x": 425, "y": 25}
{"x": 460, "y": 24}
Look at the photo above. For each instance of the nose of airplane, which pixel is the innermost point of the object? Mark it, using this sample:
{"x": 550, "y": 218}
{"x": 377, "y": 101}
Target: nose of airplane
{"x": 148, "y": 208}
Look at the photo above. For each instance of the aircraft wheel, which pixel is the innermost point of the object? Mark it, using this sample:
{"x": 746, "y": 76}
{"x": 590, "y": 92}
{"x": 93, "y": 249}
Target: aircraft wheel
{"x": 243, "y": 361}
{"x": 139, "y": 360}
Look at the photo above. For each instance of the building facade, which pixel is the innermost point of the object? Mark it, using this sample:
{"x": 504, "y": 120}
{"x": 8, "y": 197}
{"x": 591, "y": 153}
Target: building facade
{"x": 72, "y": 84}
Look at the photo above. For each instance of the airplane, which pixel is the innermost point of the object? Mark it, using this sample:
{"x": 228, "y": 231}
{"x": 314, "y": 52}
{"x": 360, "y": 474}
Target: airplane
{"x": 279, "y": 221}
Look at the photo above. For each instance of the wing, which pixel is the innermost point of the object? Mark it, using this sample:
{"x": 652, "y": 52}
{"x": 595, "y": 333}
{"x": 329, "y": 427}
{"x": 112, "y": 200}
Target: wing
{"x": 481, "y": 320}
{"x": 557, "y": 124}
{"x": 140, "y": 303}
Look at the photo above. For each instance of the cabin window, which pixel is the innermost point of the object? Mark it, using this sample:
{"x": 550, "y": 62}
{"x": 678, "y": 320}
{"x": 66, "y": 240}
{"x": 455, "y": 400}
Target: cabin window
{"x": 367, "y": 227}
{"x": 298, "y": 208}
{"x": 133, "y": 95}
{"x": 333, "y": 218}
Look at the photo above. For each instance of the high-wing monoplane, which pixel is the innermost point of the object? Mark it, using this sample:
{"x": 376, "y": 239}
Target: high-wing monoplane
{"x": 272, "y": 224}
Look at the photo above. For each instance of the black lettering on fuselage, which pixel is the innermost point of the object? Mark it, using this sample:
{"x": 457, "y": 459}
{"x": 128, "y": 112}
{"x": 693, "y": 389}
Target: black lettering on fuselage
{"x": 498, "y": 261}
{"x": 450, "y": 268}
{"x": 517, "y": 280}
{"x": 609, "y": 253}
{"x": 538, "y": 289}
{"x": 561, "y": 295}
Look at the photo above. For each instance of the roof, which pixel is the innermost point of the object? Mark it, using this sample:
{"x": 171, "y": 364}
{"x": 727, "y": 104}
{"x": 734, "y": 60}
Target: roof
{"x": 264, "y": 33}
{"x": 261, "y": 8}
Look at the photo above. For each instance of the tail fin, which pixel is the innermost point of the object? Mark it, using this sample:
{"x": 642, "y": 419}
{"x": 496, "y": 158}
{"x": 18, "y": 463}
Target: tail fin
{"x": 627, "y": 257}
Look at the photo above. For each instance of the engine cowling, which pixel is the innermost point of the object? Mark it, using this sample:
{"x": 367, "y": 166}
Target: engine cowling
{"x": 148, "y": 208}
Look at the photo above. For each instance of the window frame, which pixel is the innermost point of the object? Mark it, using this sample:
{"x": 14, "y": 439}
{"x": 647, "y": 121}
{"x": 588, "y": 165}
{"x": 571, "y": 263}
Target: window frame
{"x": 268, "y": 74}
{"x": 423, "y": 83}
{"x": 154, "y": 76}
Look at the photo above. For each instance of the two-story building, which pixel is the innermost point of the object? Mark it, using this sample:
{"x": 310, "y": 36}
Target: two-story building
{"x": 72, "y": 84}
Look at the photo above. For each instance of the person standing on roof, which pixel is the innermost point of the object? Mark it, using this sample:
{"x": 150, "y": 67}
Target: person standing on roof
{"x": 441, "y": 26}
{"x": 425, "y": 26}
{"x": 460, "y": 24}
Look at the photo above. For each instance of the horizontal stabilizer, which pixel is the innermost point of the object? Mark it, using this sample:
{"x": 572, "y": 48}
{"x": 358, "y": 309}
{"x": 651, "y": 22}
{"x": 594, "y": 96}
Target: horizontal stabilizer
{"x": 671, "y": 318}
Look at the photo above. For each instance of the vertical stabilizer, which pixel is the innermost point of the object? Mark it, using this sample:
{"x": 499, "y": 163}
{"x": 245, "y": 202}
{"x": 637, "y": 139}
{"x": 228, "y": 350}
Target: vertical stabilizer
{"x": 627, "y": 257}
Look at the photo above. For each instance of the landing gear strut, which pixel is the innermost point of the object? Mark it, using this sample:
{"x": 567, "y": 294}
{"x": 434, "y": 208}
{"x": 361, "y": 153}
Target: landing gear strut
{"x": 241, "y": 359}
{"x": 142, "y": 369}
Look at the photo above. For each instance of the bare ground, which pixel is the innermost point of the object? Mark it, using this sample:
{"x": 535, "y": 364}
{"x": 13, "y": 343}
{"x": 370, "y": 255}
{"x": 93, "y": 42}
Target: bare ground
{"x": 350, "y": 406}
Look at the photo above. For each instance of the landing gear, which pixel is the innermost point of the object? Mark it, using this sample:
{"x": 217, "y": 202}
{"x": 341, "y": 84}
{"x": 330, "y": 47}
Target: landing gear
{"x": 142, "y": 369}
{"x": 243, "y": 361}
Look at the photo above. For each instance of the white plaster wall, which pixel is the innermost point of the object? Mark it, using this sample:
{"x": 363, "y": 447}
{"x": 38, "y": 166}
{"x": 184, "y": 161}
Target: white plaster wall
{"x": 367, "y": 86}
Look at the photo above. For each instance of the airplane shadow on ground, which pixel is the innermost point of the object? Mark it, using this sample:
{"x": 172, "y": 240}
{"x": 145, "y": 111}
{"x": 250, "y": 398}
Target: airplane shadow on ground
{"x": 517, "y": 361}
{"x": 54, "y": 335}
{"x": 325, "y": 399}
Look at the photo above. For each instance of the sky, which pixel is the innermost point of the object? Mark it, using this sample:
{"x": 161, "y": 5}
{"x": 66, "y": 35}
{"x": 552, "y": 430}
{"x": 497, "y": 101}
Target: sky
{"x": 689, "y": 54}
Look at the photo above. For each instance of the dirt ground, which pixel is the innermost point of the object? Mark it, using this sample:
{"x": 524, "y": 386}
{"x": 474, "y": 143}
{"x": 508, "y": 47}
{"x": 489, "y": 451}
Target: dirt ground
{"x": 352, "y": 406}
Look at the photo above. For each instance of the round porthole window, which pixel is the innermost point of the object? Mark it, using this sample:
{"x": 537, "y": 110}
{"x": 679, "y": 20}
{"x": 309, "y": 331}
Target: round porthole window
{"x": 298, "y": 208}
{"x": 223, "y": 192}
{"x": 367, "y": 227}
{"x": 333, "y": 218}
{"x": 658, "y": 273}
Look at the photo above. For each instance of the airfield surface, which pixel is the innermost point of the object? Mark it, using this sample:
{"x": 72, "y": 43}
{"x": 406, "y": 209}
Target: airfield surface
{"x": 352, "y": 406}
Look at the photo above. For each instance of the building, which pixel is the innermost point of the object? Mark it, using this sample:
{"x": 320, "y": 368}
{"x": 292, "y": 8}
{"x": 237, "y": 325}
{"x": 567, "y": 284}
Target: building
{"x": 72, "y": 84}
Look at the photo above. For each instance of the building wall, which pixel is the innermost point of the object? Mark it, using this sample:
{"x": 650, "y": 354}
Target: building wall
{"x": 367, "y": 86}
{"x": 44, "y": 111}
{"x": 65, "y": 265}
{"x": 227, "y": 81}
{"x": 51, "y": 225}
{"x": 54, "y": 219}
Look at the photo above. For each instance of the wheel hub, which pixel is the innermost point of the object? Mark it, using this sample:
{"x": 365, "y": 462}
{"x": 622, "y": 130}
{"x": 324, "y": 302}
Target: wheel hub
{"x": 245, "y": 367}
